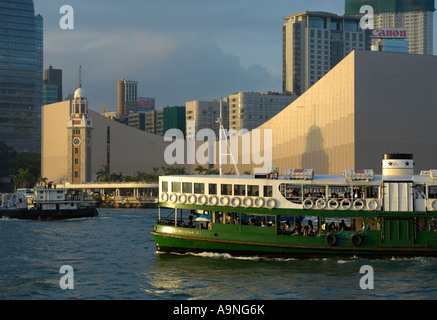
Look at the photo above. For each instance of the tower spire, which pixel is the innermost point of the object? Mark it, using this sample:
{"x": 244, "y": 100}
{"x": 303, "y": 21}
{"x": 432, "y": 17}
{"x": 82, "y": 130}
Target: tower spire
{"x": 80, "y": 76}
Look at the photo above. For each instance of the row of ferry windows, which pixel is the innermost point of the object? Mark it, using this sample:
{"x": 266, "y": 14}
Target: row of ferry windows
{"x": 217, "y": 189}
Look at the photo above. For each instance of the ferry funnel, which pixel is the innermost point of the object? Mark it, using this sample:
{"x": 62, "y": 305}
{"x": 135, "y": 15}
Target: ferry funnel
{"x": 397, "y": 164}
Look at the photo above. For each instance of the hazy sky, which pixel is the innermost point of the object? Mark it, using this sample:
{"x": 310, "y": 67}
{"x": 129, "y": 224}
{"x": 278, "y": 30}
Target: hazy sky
{"x": 178, "y": 50}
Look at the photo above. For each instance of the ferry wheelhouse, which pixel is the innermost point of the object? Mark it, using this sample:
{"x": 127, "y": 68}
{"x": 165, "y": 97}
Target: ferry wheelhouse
{"x": 300, "y": 214}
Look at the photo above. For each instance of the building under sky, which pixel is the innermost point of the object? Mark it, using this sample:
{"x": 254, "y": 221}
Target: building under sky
{"x": 21, "y": 75}
{"x": 414, "y": 16}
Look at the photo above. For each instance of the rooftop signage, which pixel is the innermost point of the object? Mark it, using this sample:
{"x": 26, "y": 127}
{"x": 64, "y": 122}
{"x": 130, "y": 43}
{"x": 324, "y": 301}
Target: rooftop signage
{"x": 389, "y": 33}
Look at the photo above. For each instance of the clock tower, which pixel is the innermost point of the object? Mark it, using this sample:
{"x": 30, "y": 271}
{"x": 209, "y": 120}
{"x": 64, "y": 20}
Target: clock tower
{"x": 79, "y": 139}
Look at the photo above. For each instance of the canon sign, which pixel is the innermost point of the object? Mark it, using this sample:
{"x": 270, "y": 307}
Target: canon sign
{"x": 389, "y": 33}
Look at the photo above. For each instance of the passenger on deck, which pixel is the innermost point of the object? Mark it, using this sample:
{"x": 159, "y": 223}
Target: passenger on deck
{"x": 331, "y": 227}
{"x": 287, "y": 228}
{"x": 308, "y": 230}
{"x": 342, "y": 226}
{"x": 357, "y": 192}
{"x": 297, "y": 229}
{"x": 190, "y": 222}
{"x": 420, "y": 194}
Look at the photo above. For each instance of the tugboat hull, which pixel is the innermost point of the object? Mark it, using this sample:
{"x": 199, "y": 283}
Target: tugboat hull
{"x": 48, "y": 215}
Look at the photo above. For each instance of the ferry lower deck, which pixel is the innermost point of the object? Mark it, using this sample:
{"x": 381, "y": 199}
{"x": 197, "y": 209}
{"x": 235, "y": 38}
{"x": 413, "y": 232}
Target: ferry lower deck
{"x": 303, "y": 236}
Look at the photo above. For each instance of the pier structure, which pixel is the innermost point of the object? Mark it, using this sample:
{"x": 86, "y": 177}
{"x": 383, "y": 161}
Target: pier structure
{"x": 118, "y": 194}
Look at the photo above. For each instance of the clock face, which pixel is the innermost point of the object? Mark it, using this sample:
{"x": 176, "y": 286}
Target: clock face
{"x": 76, "y": 141}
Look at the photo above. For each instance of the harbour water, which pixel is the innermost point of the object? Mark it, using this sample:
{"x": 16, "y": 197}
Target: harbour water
{"x": 114, "y": 258}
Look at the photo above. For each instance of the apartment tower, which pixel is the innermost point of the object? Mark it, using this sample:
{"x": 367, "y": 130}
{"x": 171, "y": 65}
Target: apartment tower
{"x": 314, "y": 42}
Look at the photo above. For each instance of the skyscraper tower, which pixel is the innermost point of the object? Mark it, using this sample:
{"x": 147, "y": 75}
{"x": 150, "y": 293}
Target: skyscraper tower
{"x": 414, "y": 16}
{"x": 313, "y": 44}
{"x": 79, "y": 127}
{"x": 127, "y": 102}
{"x": 54, "y": 77}
{"x": 21, "y": 75}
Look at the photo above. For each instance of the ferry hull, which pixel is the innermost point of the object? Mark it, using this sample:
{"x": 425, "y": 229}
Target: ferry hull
{"x": 281, "y": 246}
{"x": 48, "y": 215}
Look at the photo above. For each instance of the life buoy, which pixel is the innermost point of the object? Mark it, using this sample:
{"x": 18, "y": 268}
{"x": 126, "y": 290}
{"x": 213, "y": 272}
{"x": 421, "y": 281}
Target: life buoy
{"x": 224, "y": 200}
{"x": 258, "y": 202}
{"x": 321, "y": 204}
{"x": 164, "y": 196}
{"x": 182, "y": 198}
{"x": 213, "y": 200}
{"x": 202, "y": 199}
{"x": 308, "y": 203}
{"x": 331, "y": 239}
{"x": 347, "y": 206}
{"x": 271, "y": 203}
{"x": 358, "y": 204}
{"x": 333, "y": 204}
{"x": 372, "y": 205}
{"x": 173, "y": 197}
{"x": 247, "y": 202}
{"x": 235, "y": 201}
{"x": 433, "y": 205}
{"x": 356, "y": 239}
{"x": 192, "y": 199}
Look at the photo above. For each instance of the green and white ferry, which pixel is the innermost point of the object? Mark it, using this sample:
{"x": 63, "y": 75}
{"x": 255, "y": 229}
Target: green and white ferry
{"x": 300, "y": 214}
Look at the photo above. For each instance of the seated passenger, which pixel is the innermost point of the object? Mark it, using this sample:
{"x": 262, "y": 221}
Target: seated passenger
{"x": 287, "y": 228}
{"x": 342, "y": 226}
{"x": 297, "y": 229}
{"x": 332, "y": 227}
{"x": 308, "y": 230}
{"x": 190, "y": 223}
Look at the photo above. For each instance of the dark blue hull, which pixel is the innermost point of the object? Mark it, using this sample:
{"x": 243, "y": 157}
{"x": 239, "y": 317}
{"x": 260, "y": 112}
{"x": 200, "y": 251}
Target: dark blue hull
{"x": 48, "y": 215}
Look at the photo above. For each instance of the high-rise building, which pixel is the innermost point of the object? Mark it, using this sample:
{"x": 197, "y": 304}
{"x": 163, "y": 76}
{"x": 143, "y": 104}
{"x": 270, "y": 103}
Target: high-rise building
{"x": 248, "y": 110}
{"x": 21, "y": 75}
{"x": 50, "y": 94}
{"x": 154, "y": 122}
{"x": 174, "y": 118}
{"x": 53, "y": 77}
{"x": 414, "y": 16}
{"x": 314, "y": 42}
{"x": 204, "y": 114}
{"x": 127, "y": 101}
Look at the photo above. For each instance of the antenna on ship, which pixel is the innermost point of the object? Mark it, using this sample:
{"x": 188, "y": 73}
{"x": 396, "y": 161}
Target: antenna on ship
{"x": 223, "y": 136}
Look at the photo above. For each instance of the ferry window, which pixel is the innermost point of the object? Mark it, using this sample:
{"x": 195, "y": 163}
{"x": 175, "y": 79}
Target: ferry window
{"x": 432, "y": 192}
{"x": 164, "y": 186}
{"x": 290, "y": 191}
{"x": 253, "y": 191}
{"x": 187, "y": 187}
{"x": 199, "y": 188}
{"x": 212, "y": 188}
{"x": 268, "y": 191}
{"x": 176, "y": 187}
{"x": 226, "y": 189}
{"x": 314, "y": 192}
{"x": 239, "y": 190}
{"x": 339, "y": 192}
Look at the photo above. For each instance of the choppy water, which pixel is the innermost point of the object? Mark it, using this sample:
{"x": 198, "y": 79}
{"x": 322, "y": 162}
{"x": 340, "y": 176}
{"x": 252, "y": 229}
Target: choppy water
{"x": 114, "y": 257}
